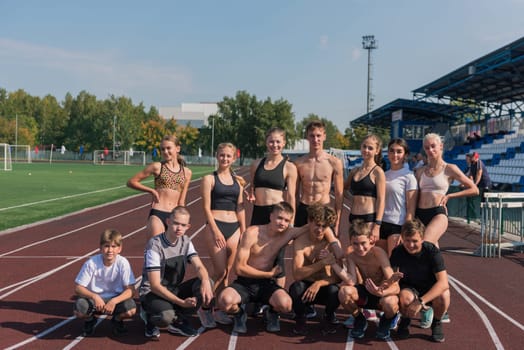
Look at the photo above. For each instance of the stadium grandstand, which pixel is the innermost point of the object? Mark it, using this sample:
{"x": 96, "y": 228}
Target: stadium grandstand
{"x": 478, "y": 107}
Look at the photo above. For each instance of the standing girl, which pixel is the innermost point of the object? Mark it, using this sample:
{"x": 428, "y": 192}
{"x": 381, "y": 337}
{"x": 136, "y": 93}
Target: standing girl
{"x": 401, "y": 195}
{"x": 224, "y": 209}
{"x": 367, "y": 186}
{"x": 434, "y": 179}
{"x": 171, "y": 183}
{"x": 273, "y": 178}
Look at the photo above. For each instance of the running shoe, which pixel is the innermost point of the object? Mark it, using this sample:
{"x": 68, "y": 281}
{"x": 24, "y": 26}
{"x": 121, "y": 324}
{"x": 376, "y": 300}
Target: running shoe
{"x": 239, "y": 321}
{"x": 359, "y": 327}
{"x": 221, "y": 317}
{"x": 119, "y": 327}
{"x": 403, "y": 328}
{"x": 152, "y": 332}
{"x": 300, "y": 326}
{"x": 348, "y": 323}
{"x": 182, "y": 327}
{"x": 426, "y": 317}
{"x": 272, "y": 321}
{"x": 206, "y": 318}
{"x": 310, "y": 311}
{"x": 437, "y": 334}
{"x": 383, "y": 328}
{"x": 89, "y": 327}
{"x": 445, "y": 318}
{"x": 394, "y": 322}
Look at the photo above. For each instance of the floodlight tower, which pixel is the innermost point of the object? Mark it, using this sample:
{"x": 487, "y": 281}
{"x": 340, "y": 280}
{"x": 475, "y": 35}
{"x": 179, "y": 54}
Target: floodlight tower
{"x": 369, "y": 43}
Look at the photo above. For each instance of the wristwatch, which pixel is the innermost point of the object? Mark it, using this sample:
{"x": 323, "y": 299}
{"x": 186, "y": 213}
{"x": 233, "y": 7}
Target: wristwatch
{"x": 378, "y": 222}
{"x": 424, "y": 306}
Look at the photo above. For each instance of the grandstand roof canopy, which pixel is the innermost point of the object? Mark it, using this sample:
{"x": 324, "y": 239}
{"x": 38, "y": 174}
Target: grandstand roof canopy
{"x": 413, "y": 111}
{"x": 497, "y": 77}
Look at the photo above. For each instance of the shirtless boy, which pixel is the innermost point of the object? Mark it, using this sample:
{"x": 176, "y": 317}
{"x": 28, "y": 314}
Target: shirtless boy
{"x": 377, "y": 289}
{"x": 315, "y": 283}
{"x": 254, "y": 266}
{"x": 317, "y": 170}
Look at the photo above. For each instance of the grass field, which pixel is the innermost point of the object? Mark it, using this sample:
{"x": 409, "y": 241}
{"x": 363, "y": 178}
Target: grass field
{"x": 38, "y": 191}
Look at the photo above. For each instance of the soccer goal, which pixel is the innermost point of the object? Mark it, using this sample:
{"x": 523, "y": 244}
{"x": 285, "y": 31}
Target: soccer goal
{"x": 21, "y": 153}
{"x": 5, "y": 157}
{"x": 134, "y": 158}
{"x": 101, "y": 157}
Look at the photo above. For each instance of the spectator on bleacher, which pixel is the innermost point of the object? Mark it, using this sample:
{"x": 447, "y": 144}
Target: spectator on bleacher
{"x": 479, "y": 175}
{"x": 434, "y": 180}
{"x": 421, "y": 161}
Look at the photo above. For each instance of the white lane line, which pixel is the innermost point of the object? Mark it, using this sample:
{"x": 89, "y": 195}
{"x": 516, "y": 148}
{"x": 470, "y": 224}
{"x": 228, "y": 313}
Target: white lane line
{"x": 81, "y": 337}
{"x": 490, "y": 305}
{"x": 40, "y": 335}
{"x": 61, "y": 198}
{"x": 72, "y": 231}
{"x": 349, "y": 341}
{"x": 190, "y": 340}
{"x": 482, "y": 315}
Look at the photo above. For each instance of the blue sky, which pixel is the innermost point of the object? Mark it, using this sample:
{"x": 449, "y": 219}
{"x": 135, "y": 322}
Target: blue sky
{"x": 163, "y": 53}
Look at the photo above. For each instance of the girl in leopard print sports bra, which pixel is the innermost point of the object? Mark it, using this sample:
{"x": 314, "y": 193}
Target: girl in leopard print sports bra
{"x": 171, "y": 183}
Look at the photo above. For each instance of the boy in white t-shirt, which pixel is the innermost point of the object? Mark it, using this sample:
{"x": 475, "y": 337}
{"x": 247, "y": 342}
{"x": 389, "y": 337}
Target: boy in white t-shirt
{"x": 105, "y": 285}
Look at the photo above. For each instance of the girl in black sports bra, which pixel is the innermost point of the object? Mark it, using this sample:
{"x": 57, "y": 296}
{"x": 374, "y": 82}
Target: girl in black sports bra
{"x": 224, "y": 209}
{"x": 366, "y": 186}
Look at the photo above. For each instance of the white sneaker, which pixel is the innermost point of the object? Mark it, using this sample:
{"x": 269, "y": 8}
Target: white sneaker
{"x": 206, "y": 318}
{"x": 221, "y": 317}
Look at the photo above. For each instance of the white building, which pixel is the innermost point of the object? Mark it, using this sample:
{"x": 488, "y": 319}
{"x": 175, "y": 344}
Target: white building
{"x": 195, "y": 114}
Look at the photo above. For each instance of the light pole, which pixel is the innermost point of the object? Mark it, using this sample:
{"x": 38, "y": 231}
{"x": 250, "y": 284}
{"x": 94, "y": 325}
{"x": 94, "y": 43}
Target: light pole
{"x": 369, "y": 43}
{"x": 114, "y": 135}
{"x": 212, "y": 141}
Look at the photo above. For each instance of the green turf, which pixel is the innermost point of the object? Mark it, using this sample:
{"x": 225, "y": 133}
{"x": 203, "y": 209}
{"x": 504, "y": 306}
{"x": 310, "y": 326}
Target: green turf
{"x": 38, "y": 191}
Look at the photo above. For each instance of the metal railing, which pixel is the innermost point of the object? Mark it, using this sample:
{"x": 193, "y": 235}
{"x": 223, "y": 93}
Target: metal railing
{"x": 502, "y": 214}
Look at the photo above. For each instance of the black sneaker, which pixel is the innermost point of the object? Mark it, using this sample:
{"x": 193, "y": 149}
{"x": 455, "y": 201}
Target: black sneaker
{"x": 403, "y": 328}
{"x": 119, "y": 327}
{"x": 359, "y": 327}
{"x": 239, "y": 321}
{"x": 182, "y": 327}
{"x": 272, "y": 321}
{"x": 437, "y": 335}
{"x": 310, "y": 311}
{"x": 300, "y": 326}
{"x": 383, "y": 328}
{"x": 328, "y": 326}
{"x": 331, "y": 318}
{"x": 89, "y": 327}
{"x": 152, "y": 332}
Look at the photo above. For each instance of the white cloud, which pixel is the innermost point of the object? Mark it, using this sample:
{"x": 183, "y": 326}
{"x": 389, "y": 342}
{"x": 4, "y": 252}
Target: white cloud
{"x": 102, "y": 71}
{"x": 324, "y": 41}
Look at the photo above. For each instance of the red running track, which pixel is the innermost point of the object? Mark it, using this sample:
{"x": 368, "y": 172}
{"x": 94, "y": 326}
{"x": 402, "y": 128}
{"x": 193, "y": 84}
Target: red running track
{"x": 39, "y": 264}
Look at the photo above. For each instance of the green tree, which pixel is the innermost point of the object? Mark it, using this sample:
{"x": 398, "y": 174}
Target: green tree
{"x": 244, "y": 120}
{"x": 333, "y": 136}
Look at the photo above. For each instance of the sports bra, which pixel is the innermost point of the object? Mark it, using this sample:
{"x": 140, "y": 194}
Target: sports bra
{"x": 273, "y": 179}
{"x": 224, "y": 197}
{"x": 438, "y": 183}
{"x": 168, "y": 179}
{"x": 364, "y": 187}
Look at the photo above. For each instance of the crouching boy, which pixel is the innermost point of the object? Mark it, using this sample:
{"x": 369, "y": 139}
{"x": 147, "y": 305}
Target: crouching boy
{"x": 105, "y": 286}
{"x": 424, "y": 279}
